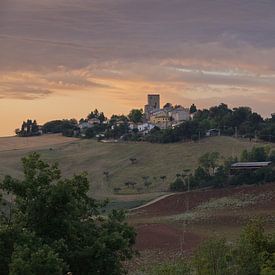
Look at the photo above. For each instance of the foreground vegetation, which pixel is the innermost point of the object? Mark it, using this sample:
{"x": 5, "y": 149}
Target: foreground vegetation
{"x": 50, "y": 226}
{"x": 252, "y": 254}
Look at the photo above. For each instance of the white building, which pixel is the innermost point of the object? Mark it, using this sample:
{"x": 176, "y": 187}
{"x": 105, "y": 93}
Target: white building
{"x": 179, "y": 114}
{"x": 143, "y": 128}
{"x": 85, "y": 125}
{"x": 94, "y": 121}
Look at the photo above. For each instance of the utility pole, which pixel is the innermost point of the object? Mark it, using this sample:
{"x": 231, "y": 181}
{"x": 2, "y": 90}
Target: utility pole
{"x": 184, "y": 224}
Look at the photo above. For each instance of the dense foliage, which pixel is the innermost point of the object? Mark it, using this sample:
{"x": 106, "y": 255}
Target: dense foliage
{"x": 96, "y": 114}
{"x": 28, "y": 128}
{"x": 65, "y": 126}
{"x": 54, "y": 227}
{"x": 136, "y": 115}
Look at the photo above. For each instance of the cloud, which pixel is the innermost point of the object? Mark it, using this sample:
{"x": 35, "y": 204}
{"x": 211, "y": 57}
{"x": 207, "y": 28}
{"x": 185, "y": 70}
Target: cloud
{"x": 31, "y": 85}
{"x": 188, "y": 50}
{"x": 25, "y": 93}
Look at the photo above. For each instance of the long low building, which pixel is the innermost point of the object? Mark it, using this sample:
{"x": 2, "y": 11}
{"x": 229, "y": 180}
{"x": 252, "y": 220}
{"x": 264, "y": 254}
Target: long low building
{"x": 241, "y": 166}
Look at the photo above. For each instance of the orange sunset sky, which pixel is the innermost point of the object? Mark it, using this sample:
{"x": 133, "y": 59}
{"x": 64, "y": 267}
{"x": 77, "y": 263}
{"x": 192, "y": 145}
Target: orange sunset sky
{"x": 64, "y": 58}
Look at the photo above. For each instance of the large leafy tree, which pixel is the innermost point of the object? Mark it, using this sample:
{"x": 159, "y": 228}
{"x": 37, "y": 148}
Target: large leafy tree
{"x": 97, "y": 114}
{"x": 56, "y": 227}
{"x": 136, "y": 115}
{"x": 209, "y": 161}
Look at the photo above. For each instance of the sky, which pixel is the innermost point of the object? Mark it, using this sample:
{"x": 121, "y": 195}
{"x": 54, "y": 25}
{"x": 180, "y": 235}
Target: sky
{"x": 64, "y": 58}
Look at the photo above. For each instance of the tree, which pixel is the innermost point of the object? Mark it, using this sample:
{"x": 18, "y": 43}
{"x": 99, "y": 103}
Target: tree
{"x": 136, "y": 115}
{"x": 130, "y": 183}
{"x": 107, "y": 175}
{"x": 133, "y": 160}
{"x": 178, "y": 185}
{"x": 90, "y": 133}
{"x": 168, "y": 106}
{"x": 60, "y": 126}
{"x": 163, "y": 178}
{"x": 97, "y": 114}
{"x": 209, "y": 161}
{"x": 65, "y": 223}
{"x": 212, "y": 258}
{"x": 32, "y": 257}
{"x": 254, "y": 249}
{"x": 193, "y": 109}
{"x": 28, "y": 128}
{"x": 256, "y": 154}
{"x": 146, "y": 181}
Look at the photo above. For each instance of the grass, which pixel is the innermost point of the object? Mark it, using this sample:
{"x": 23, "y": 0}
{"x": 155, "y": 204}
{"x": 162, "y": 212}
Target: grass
{"x": 153, "y": 160}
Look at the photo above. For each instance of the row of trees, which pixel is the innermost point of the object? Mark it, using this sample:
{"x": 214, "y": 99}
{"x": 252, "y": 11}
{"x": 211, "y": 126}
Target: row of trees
{"x": 214, "y": 171}
{"x": 252, "y": 254}
{"x": 28, "y": 128}
{"x": 50, "y": 226}
{"x": 117, "y": 126}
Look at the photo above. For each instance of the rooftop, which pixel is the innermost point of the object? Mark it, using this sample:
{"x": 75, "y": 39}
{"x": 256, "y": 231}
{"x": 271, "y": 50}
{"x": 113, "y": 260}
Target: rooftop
{"x": 251, "y": 164}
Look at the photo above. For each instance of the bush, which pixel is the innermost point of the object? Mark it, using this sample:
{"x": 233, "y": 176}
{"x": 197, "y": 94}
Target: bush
{"x": 178, "y": 185}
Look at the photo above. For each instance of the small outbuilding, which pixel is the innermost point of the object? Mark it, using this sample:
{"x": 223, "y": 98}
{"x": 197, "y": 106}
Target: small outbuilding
{"x": 213, "y": 132}
{"x": 246, "y": 166}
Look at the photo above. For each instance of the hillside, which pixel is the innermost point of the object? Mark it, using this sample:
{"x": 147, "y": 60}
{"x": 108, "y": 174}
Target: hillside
{"x": 152, "y": 160}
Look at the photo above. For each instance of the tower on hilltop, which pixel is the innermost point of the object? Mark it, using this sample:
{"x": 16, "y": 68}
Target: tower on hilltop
{"x": 153, "y": 104}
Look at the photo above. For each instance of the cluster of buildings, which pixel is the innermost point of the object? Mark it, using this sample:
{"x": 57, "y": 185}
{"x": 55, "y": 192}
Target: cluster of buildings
{"x": 168, "y": 116}
{"x": 164, "y": 117}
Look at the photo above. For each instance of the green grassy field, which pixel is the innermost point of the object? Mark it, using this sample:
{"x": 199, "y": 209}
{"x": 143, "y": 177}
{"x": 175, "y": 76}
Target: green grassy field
{"x": 153, "y": 160}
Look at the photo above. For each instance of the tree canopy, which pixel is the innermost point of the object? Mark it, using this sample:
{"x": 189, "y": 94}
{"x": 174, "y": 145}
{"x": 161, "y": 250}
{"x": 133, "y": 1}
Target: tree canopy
{"x": 136, "y": 115}
{"x": 54, "y": 227}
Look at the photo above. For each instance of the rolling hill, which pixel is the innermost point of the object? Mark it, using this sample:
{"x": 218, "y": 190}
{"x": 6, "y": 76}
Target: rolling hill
{"x": 152, "y": 160}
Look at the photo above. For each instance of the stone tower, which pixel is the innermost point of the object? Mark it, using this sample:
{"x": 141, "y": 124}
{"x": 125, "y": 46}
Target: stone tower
{"x": 153, "y": 104}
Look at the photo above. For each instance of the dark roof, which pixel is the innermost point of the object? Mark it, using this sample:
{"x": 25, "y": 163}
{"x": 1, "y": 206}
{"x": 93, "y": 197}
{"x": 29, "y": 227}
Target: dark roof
{"x": 251, "y": 164}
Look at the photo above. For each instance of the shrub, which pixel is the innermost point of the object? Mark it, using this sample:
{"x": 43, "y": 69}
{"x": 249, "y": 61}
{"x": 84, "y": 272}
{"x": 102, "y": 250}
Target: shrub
{"x": 178, "y": 185}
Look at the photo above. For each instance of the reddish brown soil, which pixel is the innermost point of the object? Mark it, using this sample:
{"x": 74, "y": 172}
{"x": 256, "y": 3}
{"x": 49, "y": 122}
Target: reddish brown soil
{"x": 163, "y": 236}
{"x": 177, "y": 203}
{"x": 162, "y": 242}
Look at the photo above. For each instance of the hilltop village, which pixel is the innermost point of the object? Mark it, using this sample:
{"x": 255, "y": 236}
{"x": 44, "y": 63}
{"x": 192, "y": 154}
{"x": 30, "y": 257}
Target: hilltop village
{"x": 138, "y": 121}
{"x": 156, "y": 124}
